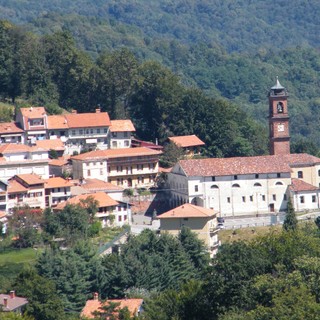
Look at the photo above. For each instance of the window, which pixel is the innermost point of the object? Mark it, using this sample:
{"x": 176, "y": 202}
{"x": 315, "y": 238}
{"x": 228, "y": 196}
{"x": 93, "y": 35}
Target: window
{"x": 80, "y": 131}
{"x": 196, "y": 188}
{"x": 91, "y": 131}
{"x": 251, "y": 198}
{"x": 278, "y": 175}
{"x": 59, "y": 190}
{"x": 300, "y": 174}
{"x": 114, "y": 144}
{"x": 98, "y": 130}
{"x": 228, "y": 200}
{"x": 139, "y": 167}
{"x": 213, "y": 178}
{"x": 235, "y": 177}
{"x": 243, "y": 199}
{"x": 105, "y": 130}
{"x": 119, "y": 168}
{"x": 89, "y": 173}
{"x": 185, "y": 219}
{"x": 87, "y": 131}
{"x": 125, "y": 134}
{"x": 119, "y": 218}
{"x": 101, "y": 172}
{"x": 257, "y": 176}
{"x": 319, "y": 173}
{"x": 73, "y": 132}
{"x": 257, "y": 184}
{"x": 114, "y": 134}
{"x": 214, "y": 186}
{"x": 285, "y": 197}
{"x": 263, "y": 197}
{"x": 126, "y": 143}
{"x": 279, "y": 183}
{"x": 274, "y": 197}
{"x": 313, "y": 198}
{"x": 235, "y": 185}
{"x": 302, "y": 199}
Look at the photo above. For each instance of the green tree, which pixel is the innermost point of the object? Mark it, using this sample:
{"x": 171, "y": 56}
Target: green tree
{"x": 171, "y": 155}
{"x": 290, "y": 222}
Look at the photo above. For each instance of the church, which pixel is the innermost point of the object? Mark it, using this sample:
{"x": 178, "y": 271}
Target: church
{"x": 252, "y": 185}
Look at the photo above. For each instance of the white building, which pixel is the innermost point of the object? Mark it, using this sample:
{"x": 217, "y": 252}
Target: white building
{"x": 120, "y": 134}
{"x": 242, "y": 185}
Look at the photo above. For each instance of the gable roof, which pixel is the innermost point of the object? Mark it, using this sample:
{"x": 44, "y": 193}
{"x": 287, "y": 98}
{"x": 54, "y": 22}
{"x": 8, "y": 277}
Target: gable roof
{"x": 91, "y": 306}
{"x": 187, "y": 210}
{"x": 298, "y": 185}
{"x": 57, "y": 122}
{"x": 29, "y": 178}
{"x": 122, "y": 126}
{"x": 85, "y": 120}
{"x": 9, "y": 128}
{"x": 13, "y": 303}
{"x": 99, "y": 185}
{"x": 50, "y": 144}
{"x": 33, "y": 112}
{"x": 14, "y": 148}
{"x": 16, "y": 187}
{"x": 187, "y": 141}
{"x": 116, "y": 153}
{"x": 57, "y": 182}
{"x": 103, "y": 199}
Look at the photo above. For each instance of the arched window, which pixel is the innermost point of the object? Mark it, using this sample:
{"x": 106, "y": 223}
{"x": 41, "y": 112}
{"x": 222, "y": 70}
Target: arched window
{"x": 279, "y": 183}
{"x": 257, "y": 184}
{"x": 235, "y": 185}
{"x": 214, "y": 186}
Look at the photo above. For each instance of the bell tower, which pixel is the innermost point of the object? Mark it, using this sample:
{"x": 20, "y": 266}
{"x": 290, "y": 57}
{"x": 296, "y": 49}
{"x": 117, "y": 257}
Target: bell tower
{"x": 279, "y": 138}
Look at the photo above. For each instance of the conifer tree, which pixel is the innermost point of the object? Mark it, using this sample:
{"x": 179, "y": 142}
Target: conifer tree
{"x": 290, "y": 222}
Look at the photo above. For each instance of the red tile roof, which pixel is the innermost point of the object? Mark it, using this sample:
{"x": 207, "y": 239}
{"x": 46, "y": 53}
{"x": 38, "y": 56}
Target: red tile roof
{"x": 96, "y": 185}
{"x": 245, "y": 165}
{"x": 13, "y": 303}
{"x": 103, "y": 199}
{"x": 59, "y": 162}
{"x": 85, "y": 120}
{"x": 298, "y": 185}
{"x": 57, "y": 122}
{"x": 10, "y": 127}
{"x": 187, "y": 141}
{"x": 13, "y": 148}
{"x": 16, "y": 187}
{"x": 133, "y": 306}
{"x": 33, "y": 112}
{"x": 116, "y": 153}
{"x": 57, "y": 182}
{"x": 30, "y": 179}
{"x": 122, "y": 126}
{"x": 50, "y": 144}
{"x": 187, "y": 210}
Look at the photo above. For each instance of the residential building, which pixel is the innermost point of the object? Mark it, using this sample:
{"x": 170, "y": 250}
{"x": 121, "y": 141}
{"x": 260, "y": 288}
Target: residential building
{"x": 10, "y": 132}
{"x": 11, "y": 303}
{"x": 190, "y": 144}
{"x": 202, "y": 221}
{"x": 50, "y": 145}
{"x": 60, "y": 167}
{"x": 120, "y": 134}
{"x": 126, "y": 167}
{"x": 25, "y": 189}
{"x": 18, "y": 159}
{"x": 57, "y": 190}
{"x": 33, "y": 121}
{"x": 135, "y": 306}
{"x": 110, "y": 212}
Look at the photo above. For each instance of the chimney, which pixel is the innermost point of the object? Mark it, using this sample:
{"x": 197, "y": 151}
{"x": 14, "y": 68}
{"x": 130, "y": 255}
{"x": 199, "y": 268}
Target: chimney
{"x": 5, "y": 302}
{"x": 73, "y": 111}
{"x": 98, "y": 110}
{"x": 12, "y": 294}
{"x": 96, "y": 296}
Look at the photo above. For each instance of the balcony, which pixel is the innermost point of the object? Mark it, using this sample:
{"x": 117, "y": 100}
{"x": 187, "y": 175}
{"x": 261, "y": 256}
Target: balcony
{"x": 214, "y": 229}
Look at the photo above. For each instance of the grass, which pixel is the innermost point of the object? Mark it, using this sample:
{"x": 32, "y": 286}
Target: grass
{"x": 246, "y": 234}
{"x": 13, "y": 261}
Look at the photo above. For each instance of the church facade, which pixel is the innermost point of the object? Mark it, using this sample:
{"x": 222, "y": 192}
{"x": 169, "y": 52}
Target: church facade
{"x": 252, "y": 185}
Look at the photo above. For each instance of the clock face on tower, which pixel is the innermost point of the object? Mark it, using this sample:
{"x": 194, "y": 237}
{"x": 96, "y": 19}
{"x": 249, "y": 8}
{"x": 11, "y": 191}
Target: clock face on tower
{"x": 280, "y": 127}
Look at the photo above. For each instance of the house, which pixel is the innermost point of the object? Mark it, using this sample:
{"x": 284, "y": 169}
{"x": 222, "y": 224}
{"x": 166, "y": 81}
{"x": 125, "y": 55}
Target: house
{"x": 26, "y": 189}
{"x": 80, "y": 131}
{"x": 10, "y": 132}
{"x": 135, "y": 306}
{"x": 55, "y": 145}
{"x": 108, "y": 208}
{"x": 200, "y": 220}
{"x": 21, "y": 159}
{"x": 60, "y": 167}
{"x": 3, "y": 195}
{"x": 120, "y": 134}
{"x": 57, "y": 190}
{"x": 127, "y": 167}
{"x": 11, "y": 303}
{"x": 190, "y": 144}
{"x": 33, "y": 121}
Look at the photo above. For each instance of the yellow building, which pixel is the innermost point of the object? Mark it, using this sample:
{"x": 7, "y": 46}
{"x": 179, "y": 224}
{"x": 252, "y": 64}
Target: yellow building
{"x": 200, "y": 220}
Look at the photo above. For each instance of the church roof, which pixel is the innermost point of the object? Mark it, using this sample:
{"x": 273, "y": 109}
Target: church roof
{"x": 277, "y": 86}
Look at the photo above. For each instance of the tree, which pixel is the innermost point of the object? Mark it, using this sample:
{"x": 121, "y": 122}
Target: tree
{"x": 171, "y": 155}
{"x": 290, "y": 222}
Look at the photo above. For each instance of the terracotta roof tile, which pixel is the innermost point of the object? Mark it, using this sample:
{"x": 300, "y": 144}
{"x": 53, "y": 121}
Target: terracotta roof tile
{"x": 50, "y": 144}
{"x": 10, "y": 127}
{"x": 116, "y": 153}
{"x": 30, "y": 179}
{"x": 133, "y": 306}
{"x": 103, "y": 199}
{"x": 15, "y": 187}
{"x": 84, "y": 120}
{"x": 61, "y": 161}
{"x": 57, "y": 182}
{"x": 298, "y": 185}
{"x": 12, "y": 303}
{"x": 187, "y": 210}
{"x": 57, "y": 122}
{"x": 187, "y": 141}
{"x": 33, "y": 112}
{"x": 96, "y": 184}
{"x": 245, "y": 165}
{"x": 13, "y": 148}
{"x": 122, "y": 126}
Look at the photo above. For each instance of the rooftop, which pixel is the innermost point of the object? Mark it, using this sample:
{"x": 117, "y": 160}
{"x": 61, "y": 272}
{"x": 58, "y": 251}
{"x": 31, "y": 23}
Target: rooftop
{"x": 10, "y": 127}
{"x": 187, "y": 210}
{"x": 122, "y": 126}
{"x": 85, "y": 120}
{"x": 57, "y": 122}
{"x": 298, "y": 185}
{"x": 50, "y": 144}
{"x": 33, "y": 112}
{"x": 96, "y": 185}
{"x": 187, "y": 141}
{"x": 30, "y": 179}
{"x": 11, "y": 302}
{"x": 57, "y": 182}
